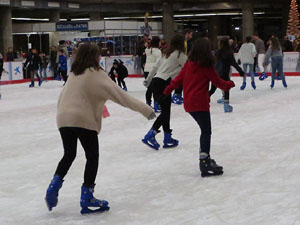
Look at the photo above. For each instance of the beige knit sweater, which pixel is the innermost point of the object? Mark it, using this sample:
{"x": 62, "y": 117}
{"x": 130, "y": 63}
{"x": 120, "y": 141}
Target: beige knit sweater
{"x": 82, "y": 99}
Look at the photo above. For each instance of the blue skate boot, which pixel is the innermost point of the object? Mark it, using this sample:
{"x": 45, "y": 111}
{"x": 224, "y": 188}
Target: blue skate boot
{"x": 253, "y": 85}
{"x": 243, "y": 86}
{"x": 263, "y": 76}
{"x": 156, "y": 108}
{"x": 284, "y": 83}
{"x": 40, "y": 81}
{"x": 169, "y": 142}
{"x": 174, "y": 98}
{"x": 52, "y": 192}
{"x": 149, "y": 103}
{"x": 221, "y": 101}
{"x": 178, "y": 100}
{"x": 31, "y": 84}
{"x": 125, "y": 88}
{"x": 272, "y": 84}
{"x": 87, "y": 201}
{"x": 150, "y": 140}
{"x": 227, "y": 108}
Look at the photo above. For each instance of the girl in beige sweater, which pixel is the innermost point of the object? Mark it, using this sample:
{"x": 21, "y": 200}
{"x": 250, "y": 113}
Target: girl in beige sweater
{"x": 79, "y": 116}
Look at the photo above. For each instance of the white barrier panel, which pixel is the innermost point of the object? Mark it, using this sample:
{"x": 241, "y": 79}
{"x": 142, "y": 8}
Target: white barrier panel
{"x": 6, "y": 72}
{"x": 17, "y": 71}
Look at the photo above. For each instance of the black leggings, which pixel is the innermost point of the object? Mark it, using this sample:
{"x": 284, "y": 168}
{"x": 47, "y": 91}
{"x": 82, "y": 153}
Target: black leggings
{"x": 121, "y": 82}
{"x": 64, "y": 75}
{"x": 158, "y": 85}
{"x": 89, "y": 142}
{"x": 178, "y": 91}
{"x": 204, "y": 122}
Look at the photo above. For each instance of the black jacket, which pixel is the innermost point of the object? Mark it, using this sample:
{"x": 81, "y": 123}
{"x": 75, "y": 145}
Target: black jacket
{"x": 53, "y": 57}
{"x": 122, "y": 71}
{"x": 224, "y": 61}
{"x": 34, "y": 60}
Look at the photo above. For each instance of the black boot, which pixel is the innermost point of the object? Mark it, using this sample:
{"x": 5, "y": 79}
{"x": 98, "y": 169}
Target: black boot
{"x": 209, "y": 167}
{"x": 31, "y": 84}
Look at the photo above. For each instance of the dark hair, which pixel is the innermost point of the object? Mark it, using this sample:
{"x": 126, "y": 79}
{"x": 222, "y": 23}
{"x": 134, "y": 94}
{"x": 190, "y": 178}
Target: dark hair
{"x": 155, "y": 42}
{"x": 248, "y": 39}
{"x": 275, "y": 43}
{"x": 61, "y": 50}
{"x": 202, "y": 53}
{"x": 177, "y": 43}
{"x": 223, "y": 48}
{"x": 86, "y": 57}
{"x": 187, "y": 31}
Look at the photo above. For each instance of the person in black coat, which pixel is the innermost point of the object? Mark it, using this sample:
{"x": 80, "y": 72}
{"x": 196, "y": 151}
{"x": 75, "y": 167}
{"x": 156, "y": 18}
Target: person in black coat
{"x": 121, "y": 71}
{"x": 33, "y": 61}
{"x": 225, "y": 59}
{"x": 10, "y": 55}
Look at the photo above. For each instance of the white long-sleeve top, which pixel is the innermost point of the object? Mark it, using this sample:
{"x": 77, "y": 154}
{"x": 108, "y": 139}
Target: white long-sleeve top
{"x": 168, "y": 67}
{"x": 153, "y": 55}
{"x": 247, "y": 53}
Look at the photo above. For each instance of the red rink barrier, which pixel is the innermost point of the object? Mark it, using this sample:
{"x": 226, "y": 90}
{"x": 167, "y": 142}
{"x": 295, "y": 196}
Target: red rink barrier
{"x": 294, "y": 74}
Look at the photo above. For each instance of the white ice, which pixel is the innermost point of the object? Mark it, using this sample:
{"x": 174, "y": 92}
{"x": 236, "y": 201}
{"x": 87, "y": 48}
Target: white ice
{"x": 258, "y": 145}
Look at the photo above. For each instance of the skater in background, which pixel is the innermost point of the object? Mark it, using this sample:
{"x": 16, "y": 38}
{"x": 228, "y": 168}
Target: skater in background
{"x": 188, "y": 35}
{"x": 167, "y": 68}
{"x": 153, "y": 55}
{"x": 275, "y": 53}
{"x": 225, "y": 59}
{"x": 246, "y": 55}
{"x": 33, "y": 62}
{"x": 79, "y": 116}
{"x": 113, "y": 71}
{"x": 1, "y": 69}
{"x": 53, "y": 63}
{"x": 195, "y": 77}
{"x": 261, "y": 51}
{"x": 62, "y": 65}
{"x": 43, "y": 67}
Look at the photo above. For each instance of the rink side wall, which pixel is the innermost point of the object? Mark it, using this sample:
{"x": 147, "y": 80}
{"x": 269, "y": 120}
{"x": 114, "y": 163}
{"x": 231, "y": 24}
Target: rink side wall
{"x": 13, "y": 71}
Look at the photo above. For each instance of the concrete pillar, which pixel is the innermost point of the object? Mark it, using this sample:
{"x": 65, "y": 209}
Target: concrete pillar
{"x": 6, "y": 38}
{"x": 214, "y": 30}
{"x": 168, "y": 21}
{"x": 54, "y": 37}
{"x": 248, "y": 18}
{"x": 95, "y": 16}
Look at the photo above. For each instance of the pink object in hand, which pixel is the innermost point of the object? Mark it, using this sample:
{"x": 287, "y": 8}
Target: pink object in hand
{"x": 105, "y": 112}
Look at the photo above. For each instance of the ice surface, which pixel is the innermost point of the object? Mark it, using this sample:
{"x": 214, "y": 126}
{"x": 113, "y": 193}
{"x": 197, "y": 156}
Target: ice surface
{"x": 258, "y": 145}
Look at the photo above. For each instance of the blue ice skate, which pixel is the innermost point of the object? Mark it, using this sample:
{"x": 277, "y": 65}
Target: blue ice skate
{"x": 149, "y": 103}
{"x": 156, "y": 108}
{"x": 284, "y": 83}
{"x": 263, "y": 76}
{"x": 88, "y": 201}
{"x": 31, "y": 84}
{"x": 272, "y": 84}
{"x": 52, "y": 192}
{"x": 243, "y": 86}
{"x": 227, "y": 108}
{"x": 177, "y": 99}
{"x": 220, "y": 101}
{"x": 253, "y": 85}
{"x": 40, "y": 81}
{"x": 125, "y": 88}
{"x": 169, "y": 142}
{"x": 150, "y": 140}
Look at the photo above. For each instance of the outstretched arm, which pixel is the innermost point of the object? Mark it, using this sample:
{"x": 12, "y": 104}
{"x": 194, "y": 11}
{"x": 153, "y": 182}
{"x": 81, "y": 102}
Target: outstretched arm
{"x": 212, "y": 75}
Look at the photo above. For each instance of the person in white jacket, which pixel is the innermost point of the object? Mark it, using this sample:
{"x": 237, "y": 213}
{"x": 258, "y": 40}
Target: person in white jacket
{"x": 153, "y": 55}
{"x": 246, "y": 56}
{"x": 167, "y": 68}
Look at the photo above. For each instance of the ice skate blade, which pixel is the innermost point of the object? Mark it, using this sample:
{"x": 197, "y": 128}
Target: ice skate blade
{"x": 150, "y": 145}
{"x": 170, "y": 146}
{"x": 211, "y": 174}
{"x": 86, "y": 210}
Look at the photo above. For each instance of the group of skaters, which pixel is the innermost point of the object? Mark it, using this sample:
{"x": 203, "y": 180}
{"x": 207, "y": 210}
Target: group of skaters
{"x": 187, "y": 65}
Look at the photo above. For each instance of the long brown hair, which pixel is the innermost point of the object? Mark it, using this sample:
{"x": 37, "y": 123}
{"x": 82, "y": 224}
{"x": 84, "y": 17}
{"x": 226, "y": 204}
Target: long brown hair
{"x": 177, "y": 43}
{"x": 275, "y": 43}
{"x": 86, "y": 57}
{"x": 202, "y": 53}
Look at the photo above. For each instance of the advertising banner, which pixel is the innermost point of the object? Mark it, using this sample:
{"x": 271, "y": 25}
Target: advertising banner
{"x": 72, "y": 26}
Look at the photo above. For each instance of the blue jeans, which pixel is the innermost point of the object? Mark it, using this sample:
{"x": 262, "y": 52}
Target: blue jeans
{"x": 245, "y": 65}
{"x": 277, "y": 65}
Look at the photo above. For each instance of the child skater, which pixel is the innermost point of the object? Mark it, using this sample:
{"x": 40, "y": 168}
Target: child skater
{"x": 225, "y": 59}
{"x": 79, "y": 116}
{"x": 275, "y": 53}
{"x": 195, "y": 77}
{"x": 167, "y": 68}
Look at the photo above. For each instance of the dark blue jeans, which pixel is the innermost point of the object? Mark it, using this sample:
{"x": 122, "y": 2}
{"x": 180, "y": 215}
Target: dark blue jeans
{"x": 277, "y": 65}
{"x": 204, "y": 122}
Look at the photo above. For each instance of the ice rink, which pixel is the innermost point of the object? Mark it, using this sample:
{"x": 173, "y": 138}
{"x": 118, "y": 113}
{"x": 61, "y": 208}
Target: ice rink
{"x": 258, "y": 145}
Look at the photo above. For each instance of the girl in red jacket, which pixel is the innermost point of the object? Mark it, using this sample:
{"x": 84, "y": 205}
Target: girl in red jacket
{"x": 195, "y": 76}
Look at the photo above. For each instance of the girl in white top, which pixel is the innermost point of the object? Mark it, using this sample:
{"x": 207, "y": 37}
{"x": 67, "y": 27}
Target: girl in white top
{"x": 167, "y": 68}
{"x": 153, "y": 55}
{"x": 246, "y": 56}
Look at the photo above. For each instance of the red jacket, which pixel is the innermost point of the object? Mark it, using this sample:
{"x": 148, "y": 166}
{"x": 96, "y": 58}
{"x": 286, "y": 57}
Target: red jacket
{"x": 195, "y": 81}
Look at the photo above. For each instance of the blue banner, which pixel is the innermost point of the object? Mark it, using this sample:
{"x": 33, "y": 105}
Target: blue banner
{"x": 72, "y": 26}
